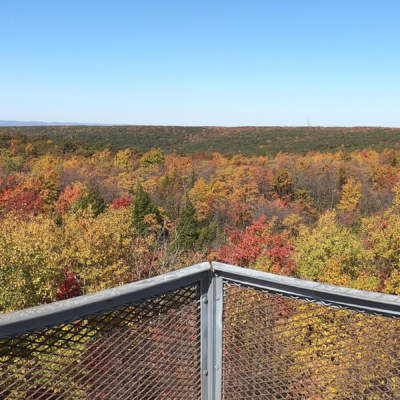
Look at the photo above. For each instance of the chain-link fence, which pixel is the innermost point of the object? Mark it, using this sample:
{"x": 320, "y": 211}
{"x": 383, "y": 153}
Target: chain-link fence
{"x": 149, "y": 350}
{"x": 145, "y": 349}
{"x": 206, "y": 332}
{"x": 284, "y": 348}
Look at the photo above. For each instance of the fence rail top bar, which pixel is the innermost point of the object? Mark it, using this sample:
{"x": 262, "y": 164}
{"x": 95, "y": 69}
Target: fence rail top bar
{"x": 370, "y": 302}
{"x": 40, "y": 317}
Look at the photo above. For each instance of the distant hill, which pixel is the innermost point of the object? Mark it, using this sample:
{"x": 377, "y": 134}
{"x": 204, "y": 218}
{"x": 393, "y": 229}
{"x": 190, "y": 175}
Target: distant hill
{"x": 41, "y": 123}
{"x": 235, "y": 140}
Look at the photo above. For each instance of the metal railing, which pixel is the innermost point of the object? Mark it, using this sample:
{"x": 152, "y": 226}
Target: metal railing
{"x": 210, "y": 331}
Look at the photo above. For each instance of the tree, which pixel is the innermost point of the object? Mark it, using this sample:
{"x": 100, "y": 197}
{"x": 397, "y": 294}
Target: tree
{"x": 30, "y": 261}
{"x": 99, "y": 250}
{"x": 351, "y": 196}
{"x": 19, "y": 198}
{"x": 283, "y": 183}
{"x": 45, "y": 176}
{"x": 142, "y": 207}
{"x": 120, "y": 202}
{"x": 152, "y": 157}
{"x": 188, "y": 227}
{"x": 68, "y": 198}
{"x": 207, "y": 234}
{"x": 70, "y": 287}
{"x": 124, "y": 159}
{"x": 245, "y": 246}
{"x": 331, "y": 253}
{"x": 92, "y": 199}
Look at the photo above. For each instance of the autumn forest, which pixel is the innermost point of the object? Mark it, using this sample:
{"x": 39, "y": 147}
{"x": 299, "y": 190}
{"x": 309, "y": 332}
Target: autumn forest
{"x": 78, "y": 216}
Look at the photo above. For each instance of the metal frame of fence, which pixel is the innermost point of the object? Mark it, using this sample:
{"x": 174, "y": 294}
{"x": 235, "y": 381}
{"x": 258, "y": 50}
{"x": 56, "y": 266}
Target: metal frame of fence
{"x": 211, "y": 278}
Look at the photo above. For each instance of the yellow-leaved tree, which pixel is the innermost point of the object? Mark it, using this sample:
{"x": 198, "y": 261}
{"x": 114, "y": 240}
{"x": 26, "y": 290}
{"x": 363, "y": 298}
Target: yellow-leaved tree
{"x": 332, "y": 253}
{"x": 45, "y": 176}
{"x": 30, "y": 269}
{"x": 351, "y": 196}
{"x": 381, "y": 235}
{"x": 99, "y": 249}
{"x": 337, "y": 346}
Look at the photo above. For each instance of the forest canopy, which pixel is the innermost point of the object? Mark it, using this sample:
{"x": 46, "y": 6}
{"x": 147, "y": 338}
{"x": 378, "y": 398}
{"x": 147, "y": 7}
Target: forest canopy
{"x": 77, "y": 216}
{"x": 184, "y": 140}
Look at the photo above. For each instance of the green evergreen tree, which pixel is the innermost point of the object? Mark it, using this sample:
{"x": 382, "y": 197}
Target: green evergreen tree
{"x": 193, "y": 178}
{"x": 207, "y": 234}
{"x": 188, "y": 227}
{"x": 143, "y": 206}
{"x": 91, "y": 198}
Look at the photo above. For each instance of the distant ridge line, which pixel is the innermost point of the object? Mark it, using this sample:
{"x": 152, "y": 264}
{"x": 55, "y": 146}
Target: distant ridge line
{"x": 12, "y": 124}
{"x": 42, "y": 123}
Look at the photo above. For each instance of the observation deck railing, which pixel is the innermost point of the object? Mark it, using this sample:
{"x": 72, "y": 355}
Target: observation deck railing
{"x": 210, "y": 331}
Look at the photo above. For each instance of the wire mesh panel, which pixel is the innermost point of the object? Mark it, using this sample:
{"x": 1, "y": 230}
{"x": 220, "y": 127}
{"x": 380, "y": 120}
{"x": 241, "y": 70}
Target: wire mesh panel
{"x": 147, "y": 351}
{"x": 276, "y": 347}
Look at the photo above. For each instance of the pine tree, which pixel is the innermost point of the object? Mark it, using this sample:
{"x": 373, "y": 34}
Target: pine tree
{"x": 188, "y": 227}
{"x": 93, "y": 199}
{"x": 207, "y": 234}
{"x": 143, "y": 206}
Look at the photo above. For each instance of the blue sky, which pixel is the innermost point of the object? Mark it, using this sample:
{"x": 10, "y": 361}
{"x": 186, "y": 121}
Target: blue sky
{"x": 286, "y": 62}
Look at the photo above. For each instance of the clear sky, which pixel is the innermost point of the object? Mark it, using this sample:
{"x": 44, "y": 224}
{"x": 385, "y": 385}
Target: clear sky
{"x": 282, "y": 62}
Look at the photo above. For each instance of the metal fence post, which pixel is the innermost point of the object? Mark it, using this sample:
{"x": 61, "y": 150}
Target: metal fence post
{"x": 205, "y": 312}
{"x": 214, "y": 333}
{"x": 218, "y": 301}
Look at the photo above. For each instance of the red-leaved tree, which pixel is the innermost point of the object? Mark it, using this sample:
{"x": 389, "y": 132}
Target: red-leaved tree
{"x": 70, "y": 287}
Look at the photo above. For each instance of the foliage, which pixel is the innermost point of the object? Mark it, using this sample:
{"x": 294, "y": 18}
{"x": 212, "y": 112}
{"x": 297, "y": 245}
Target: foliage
{"x": 187, "y": 231}
{"x": 21, "y": 199}
{"x": 283, "y": 183}
{"x": 330, "y": 253}
{"x": 208, "y": 234}
{"x": 143, "y": 207}
{"x": 246, "y": 246}
{"x": 99, "y": 249}
{"x": 91, "y": 200}
{"x": 124, "y": 159}
{"x": 70, "y": 287}
{"x": 45, "y": 176}
{"x": 152, "y": 157}
{"x": 351, "y": 196}
{"x": 79, "y": 217}
{"x": 381, "y": 235}
{"x": 123, "y": 201}
{"x": 29, "y": 262}
{"x": 199, "y": 140}
{"x": 69, "y": 197}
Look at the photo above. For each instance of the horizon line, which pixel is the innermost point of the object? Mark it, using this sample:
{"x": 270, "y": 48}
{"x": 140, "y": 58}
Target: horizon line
{"x": 20, "y": 124}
